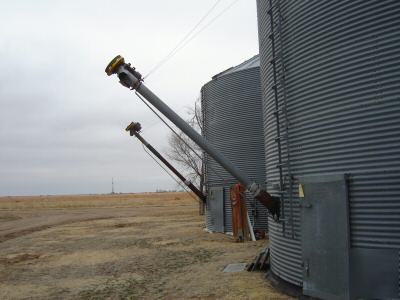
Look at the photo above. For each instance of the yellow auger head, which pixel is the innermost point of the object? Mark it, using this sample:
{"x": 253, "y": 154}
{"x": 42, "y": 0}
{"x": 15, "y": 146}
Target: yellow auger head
{"x": 128, "y": 76}
{"x": 114, "y": 64}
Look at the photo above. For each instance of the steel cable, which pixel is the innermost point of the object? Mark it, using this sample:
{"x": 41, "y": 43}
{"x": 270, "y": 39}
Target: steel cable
{"x": 170, "y": 175}
{"x": 172, "y": 52}
{"x": 177, "y": 134}
{"x": 187, "y": 39}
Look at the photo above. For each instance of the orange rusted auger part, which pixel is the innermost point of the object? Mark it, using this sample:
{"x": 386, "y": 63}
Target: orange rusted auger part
{"x": 240, "y": 226}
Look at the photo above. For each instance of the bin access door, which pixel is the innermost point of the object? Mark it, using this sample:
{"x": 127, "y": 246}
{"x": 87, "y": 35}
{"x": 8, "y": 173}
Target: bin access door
{"x": 216, "y": 208}
{"x": 325, "y": 236}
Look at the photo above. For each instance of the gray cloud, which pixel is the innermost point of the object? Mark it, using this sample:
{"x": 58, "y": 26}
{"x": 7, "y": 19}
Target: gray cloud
{"x": 62, "y": 119}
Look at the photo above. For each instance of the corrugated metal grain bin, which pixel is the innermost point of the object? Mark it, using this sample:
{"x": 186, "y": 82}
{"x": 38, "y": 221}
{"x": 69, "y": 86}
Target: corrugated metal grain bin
{"x": 330, "y": 73}
{"x": 231, "y": 106}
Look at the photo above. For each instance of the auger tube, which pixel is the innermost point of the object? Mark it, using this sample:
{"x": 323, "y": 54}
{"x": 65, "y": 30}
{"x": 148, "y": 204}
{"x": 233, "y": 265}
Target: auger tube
{"x": 134, "y": 130}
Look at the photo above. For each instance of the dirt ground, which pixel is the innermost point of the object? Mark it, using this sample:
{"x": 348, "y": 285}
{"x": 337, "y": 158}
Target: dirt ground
{"x": 135, "y": 246}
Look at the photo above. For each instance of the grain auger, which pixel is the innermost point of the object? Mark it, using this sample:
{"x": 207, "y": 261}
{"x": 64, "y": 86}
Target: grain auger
{"x": 130, "y": 78}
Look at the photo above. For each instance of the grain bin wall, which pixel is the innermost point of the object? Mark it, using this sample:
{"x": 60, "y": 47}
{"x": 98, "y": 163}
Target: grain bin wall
{"x": 335, "y": 99}
{"x": 231, "y": 106}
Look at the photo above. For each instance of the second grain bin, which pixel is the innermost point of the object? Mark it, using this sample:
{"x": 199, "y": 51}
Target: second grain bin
{"x": 231, "y": 107}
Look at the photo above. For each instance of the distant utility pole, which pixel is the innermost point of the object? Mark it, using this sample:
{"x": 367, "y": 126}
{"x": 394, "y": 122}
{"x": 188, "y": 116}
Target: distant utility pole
{"x": 112, "y": 185}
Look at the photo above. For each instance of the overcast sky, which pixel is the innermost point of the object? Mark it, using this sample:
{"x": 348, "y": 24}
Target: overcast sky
{"x": 62, "y": 119}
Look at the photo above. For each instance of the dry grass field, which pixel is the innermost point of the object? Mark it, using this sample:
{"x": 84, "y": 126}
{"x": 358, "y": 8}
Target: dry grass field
{"x": 137, "y": 246}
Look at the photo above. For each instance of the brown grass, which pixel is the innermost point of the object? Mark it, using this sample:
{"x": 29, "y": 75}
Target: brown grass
{"x": 94, "y": 201}
{"x": 148, "y": 246}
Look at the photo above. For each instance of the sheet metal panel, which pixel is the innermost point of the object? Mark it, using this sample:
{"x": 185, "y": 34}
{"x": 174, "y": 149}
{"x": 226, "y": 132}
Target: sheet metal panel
{"x": 325, "y": 237}
{"x": 231, "y": 106}
{"x": 215, "y": 204}
{"x": 342, "y": 78}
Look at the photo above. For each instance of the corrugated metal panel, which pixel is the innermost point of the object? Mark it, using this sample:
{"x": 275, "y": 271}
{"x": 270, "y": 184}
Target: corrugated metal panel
{"x": 231, "y": 105}
{"x": 342, "y": 80}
